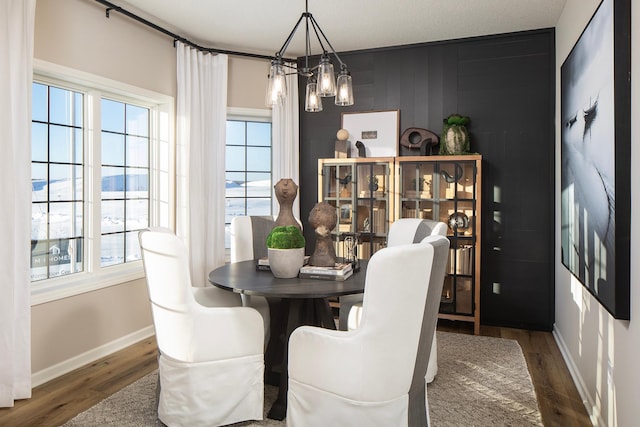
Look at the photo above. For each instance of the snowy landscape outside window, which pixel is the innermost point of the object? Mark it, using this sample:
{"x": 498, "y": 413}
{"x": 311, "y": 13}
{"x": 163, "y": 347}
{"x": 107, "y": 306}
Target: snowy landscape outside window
{"x": 125, "y": 180}
{"x": 248, "y": 180}
{"x": 57, "y": 201}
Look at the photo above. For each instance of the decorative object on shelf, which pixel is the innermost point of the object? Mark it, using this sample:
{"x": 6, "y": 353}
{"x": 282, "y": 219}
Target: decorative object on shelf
{"x": 458, "y": 222}
{"x": 323, "y": 219}
{"x": 345, "y": 213}
{"x": 373, "y": 183}
{"x": 418, "y": 184}
{"x": 285, "y": 248}
{"x": 419, "y": 188}
{"x": 286, "y": 191}
{"x": 453, "y": 178}
{"x": 418, "y": 142}
{"x": 345, "y": 191}
{"x": 455, "y": 137}
{"x": 346, "y": 180}
{"x": 342, "y": 145}
{"x": 362, "y": 151}
{"x": 321, "y": 81}
{"x": 350, "y": 243}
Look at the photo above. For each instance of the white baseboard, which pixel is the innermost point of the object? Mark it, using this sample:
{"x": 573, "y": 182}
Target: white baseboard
{"x": 92, "y": 355}
{"x": 587, "y": 401}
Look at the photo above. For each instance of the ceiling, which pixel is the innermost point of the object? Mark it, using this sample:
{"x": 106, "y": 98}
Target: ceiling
{"x": 261, "y": 26}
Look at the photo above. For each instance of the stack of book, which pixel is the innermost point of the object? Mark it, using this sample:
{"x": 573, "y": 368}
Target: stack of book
{"x": 339, "y": 272}
{"x": 461, "y": 260}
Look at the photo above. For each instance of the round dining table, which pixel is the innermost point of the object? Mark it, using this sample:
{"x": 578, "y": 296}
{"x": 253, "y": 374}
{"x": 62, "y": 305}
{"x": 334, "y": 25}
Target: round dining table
{"x": 293, "y": 303}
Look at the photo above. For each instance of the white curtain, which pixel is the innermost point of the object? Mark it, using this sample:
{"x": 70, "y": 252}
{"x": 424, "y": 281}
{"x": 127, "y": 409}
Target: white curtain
{"x": 286, "y": 142}
{"x": 16, "y": 74}
{"x": 201, "y": 132}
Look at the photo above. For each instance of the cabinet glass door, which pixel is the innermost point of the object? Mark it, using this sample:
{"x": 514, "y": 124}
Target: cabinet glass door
{"x": 360, "y": 192}
{"x": 338, "y": 191}
{"x": 372, "y": 207}
{"x": 416, "y": 190}
{"x": 445, "y": 190}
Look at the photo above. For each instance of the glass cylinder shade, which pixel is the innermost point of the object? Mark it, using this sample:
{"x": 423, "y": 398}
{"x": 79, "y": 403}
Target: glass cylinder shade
{"x": 344, "y": 92}
{"x": 277, "y": 85}
{"x": 326, "y": 79}
{"x": 312, "y": 101}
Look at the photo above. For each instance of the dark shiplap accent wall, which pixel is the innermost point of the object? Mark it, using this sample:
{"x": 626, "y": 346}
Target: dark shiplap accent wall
{"x": 506, "y": 84}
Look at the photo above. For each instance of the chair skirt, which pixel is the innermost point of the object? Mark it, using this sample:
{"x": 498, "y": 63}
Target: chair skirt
{"x": 308, "y": 406}
{"x": 211, "y": 393}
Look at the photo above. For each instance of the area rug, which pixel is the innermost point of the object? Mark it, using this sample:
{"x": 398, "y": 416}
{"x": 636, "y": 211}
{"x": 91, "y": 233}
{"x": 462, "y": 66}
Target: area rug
{"x": 481, "y": 381}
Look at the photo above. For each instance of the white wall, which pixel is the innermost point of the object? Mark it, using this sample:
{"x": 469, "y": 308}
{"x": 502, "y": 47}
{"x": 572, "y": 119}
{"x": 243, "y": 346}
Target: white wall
{"x": 602, "y": 352}
{"x": 75, "y": 33}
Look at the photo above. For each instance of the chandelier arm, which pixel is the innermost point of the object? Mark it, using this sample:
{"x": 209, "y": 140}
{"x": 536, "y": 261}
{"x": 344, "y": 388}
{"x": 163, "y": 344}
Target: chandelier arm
{"x": 288, "y": 40}
{"x": 315, "y": 24}
{"x": 300, "y": 71}
{"x": 307, "y": 47}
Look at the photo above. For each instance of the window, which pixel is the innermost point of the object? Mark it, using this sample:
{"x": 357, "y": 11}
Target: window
{"x": 248, "y": 168}
{"x": 125, "y": 180}
{"x": 101, "y": 171}
{"x": 57, "y": 199}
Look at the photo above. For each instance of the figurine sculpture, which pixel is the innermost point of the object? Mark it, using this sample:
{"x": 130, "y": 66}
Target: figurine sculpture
{"x": 342, "y": 145}
{"x": 323, "y": 219}
{"x": 286, "y": 191}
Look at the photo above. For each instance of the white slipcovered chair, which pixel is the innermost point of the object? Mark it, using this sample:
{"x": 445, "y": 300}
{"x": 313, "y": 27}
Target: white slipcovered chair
{"x": 211, "y": 361}
{"x": 401, "y": 232}
{"x": 373, "y": 375}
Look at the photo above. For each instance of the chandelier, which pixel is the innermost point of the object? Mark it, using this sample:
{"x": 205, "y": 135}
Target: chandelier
{"x": 321, "y": 80}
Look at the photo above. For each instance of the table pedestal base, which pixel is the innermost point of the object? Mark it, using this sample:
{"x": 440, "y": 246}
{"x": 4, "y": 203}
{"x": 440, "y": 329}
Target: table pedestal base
{"x": 291, "y": 313}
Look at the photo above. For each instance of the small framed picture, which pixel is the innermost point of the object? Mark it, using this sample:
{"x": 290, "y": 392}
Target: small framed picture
{"x": 345, "y": 213}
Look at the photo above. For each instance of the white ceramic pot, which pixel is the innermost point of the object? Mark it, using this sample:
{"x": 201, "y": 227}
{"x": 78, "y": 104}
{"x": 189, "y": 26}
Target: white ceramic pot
{"x": 286, "y": 263}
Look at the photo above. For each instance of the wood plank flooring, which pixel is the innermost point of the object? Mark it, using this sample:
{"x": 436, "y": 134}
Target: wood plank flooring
{"x": 61, "y": 399}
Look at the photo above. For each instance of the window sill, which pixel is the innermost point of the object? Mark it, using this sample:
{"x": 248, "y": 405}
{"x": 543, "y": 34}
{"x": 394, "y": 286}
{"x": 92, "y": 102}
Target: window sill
{"x": 76, "y": 284}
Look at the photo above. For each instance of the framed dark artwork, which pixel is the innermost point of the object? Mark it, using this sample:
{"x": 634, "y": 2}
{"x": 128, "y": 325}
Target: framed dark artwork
{"x": 595, "y": 152}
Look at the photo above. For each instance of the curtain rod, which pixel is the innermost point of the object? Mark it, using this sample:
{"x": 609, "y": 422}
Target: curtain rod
{"x": 110, "y": 6}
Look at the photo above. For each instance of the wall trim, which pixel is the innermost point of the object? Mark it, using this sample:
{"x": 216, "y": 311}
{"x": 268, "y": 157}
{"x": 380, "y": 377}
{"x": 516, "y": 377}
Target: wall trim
{"x": 594, "y": 415}
{"x": 250, "y": 114}
{"x": 47, "y": 374}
